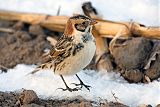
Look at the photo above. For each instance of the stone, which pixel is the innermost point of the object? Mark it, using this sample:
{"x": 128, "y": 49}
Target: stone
{"x": 23, "y": 36}
{"x": 31, "y": 105}
{"x": 11, "y": 39}
{"x": 133, "y": 53}
{"x": 36, "y": 30}
{"x": 28, "y": 97}
{"x": 158, "y": 105}
{"x": 18, "y": 26}
{"x": 85, "y": 104}
{"x": 153, "y": 70}
{"x": 145, "y": 105}
{"x": 116, "y": 104}
{"x": 105, "y": 63}
{"x": 133, "y": 75}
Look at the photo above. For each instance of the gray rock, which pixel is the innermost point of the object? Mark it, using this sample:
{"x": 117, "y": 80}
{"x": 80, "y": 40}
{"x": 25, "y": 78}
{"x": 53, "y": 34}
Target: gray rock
{"x": 133, "y": 54}
{"x": 153, "y": 69}
{"x": 133, "y": 75}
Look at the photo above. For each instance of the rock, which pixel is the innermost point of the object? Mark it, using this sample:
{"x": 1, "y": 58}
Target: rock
{"x": 153, "y": 71}
{"x": 18, "y": 26}
{"x": 85, "y": 104}
{"x": 144, "y": 105}
{"x": 133, "y": 75}
{"x": 104, "y": 105}
{"x": 158, "y": 105}
{"x": 11, "y": 39}
{"x": 31, "y": 105}
{"x": 105, "y": 63}
{"x": 22, "y": 35}
{"x": 73, "y": 105}
{"x": 36, "y": 30}
{"x": 6, "y": 24}
{"x": 25, "y": 37}
{"x": 133, "y": 53}
{"x": 116, "y": 104}
{"x": 28, "y": 97}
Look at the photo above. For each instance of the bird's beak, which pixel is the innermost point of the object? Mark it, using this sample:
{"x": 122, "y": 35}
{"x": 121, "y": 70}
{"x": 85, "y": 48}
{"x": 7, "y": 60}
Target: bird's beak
{"x": 93, "y": 22}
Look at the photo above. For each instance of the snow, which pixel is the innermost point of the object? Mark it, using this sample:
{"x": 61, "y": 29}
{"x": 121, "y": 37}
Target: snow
{"x": 144, "y": 11}
{"x": 45, "y": 83}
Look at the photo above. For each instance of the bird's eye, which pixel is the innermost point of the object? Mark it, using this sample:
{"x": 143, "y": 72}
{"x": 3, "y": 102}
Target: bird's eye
{"x": 76, "y": 24}
{"x": 84, "y": 23}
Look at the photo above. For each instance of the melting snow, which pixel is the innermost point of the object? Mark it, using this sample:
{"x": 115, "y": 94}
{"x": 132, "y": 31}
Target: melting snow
{"x": 45, "y": 83}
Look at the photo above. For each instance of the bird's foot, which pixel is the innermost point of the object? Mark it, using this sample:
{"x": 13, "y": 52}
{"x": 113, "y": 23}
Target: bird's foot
{"x": 70, "y": 89}
{"x": 82, "y": 84}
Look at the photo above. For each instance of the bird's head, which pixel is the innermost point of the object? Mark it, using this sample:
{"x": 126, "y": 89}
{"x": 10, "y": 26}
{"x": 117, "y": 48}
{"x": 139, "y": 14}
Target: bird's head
{"x": 79, "y": 24}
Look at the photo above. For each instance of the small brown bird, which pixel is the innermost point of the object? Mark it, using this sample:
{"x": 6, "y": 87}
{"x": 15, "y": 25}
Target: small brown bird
{"x": 73, "y": 51}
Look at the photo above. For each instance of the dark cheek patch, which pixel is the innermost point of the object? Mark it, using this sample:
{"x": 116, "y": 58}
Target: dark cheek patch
{"x": 80, "y": 27}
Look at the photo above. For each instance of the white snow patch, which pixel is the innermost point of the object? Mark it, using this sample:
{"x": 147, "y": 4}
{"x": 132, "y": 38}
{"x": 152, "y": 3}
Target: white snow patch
{"x": 144, "y": 11}
{"x": 45, "y": 83}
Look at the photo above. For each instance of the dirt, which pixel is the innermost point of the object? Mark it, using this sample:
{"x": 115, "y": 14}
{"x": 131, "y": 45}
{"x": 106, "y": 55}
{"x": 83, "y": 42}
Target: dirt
{"x": 28, "y": 98}
{"x": 25, "y": 45}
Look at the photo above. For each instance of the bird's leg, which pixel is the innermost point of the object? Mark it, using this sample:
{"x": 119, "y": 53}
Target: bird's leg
{"x": 82, "y": 84}
{"x": 68, "y": 88}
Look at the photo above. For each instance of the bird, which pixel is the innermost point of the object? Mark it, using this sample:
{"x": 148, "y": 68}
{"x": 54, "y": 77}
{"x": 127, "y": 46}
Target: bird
{"x": 73, "y": 51}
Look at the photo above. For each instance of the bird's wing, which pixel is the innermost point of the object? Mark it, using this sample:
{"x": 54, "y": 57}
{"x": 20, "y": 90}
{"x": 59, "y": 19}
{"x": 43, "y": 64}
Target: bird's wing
{"x": 61, "y": 47}
{"x": 61, "y": 50}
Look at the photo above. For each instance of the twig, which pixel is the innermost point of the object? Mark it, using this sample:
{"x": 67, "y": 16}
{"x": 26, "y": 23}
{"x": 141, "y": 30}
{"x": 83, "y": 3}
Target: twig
{"x": 113, "y": 41}
{"x": 59, "y": 10}
{"x": 8, "y": 30}
{"x": 147, "y": 78}
{"x": 52, "y": 40}
{"x": 116, "y": 98}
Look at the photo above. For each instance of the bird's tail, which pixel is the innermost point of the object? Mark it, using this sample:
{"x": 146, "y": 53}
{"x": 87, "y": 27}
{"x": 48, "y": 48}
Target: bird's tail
{"x": 48, "y": 65}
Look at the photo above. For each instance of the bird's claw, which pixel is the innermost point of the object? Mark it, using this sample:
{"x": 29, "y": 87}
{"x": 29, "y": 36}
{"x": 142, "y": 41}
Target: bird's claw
{"x": 70, "y": 89}
{"x": 82, "y": 84}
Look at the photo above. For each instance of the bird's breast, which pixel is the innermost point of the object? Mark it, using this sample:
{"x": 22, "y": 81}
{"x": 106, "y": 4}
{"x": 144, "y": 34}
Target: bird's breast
{"x": 74, "y": 63}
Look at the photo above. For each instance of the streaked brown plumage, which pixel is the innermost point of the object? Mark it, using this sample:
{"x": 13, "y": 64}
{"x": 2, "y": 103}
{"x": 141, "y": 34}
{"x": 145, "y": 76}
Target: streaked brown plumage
{"x": 73, "y": 51}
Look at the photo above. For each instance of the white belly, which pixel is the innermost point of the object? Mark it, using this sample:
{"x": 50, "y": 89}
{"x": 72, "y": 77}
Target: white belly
{"x": 72, "y": 65}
